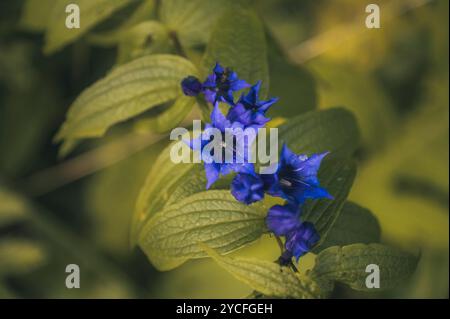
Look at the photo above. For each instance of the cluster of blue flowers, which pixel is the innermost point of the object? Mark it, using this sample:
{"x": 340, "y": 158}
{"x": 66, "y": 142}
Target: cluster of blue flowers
{"x": 295, "y": 179}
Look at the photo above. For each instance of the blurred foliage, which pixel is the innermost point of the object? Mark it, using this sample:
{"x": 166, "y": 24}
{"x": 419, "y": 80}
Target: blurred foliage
{"x": 394, "y": 80}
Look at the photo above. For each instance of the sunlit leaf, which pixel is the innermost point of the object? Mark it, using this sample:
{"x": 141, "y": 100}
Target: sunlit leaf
{"x": 128, "y": 90}
{"x": 91, "y": 13}
{"x": 167, "y": 183}
{"x": 142, "y": 39}
{"x": 171, "y": 117}
{"x": 191, "y": 20}
{"x": 267, "y": 277}
{"x": 172, "y": 235}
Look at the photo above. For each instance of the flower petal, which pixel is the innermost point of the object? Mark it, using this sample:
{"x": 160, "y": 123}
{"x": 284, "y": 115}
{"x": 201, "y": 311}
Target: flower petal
{"x": 282, "y": 220}
{"x": 212, "y": 173}
{"x": 302, "y": 239}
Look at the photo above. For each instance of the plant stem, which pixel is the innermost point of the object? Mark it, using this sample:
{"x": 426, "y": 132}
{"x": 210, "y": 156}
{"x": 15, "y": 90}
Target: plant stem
{"x": 280, "y": 244}
{"x": 176, "y": 42}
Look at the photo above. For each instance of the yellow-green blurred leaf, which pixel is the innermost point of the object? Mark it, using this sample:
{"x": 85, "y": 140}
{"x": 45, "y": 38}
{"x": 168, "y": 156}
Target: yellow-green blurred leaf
{"x": 35, "y": 14}
{"x": 92, "y": 12}
{"x": 142, "y": 39}
{"x": 12, "y": 207}
{"x": 18, "y": 256}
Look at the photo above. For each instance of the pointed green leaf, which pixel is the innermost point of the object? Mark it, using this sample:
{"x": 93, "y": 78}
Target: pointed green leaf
{"x": 167, "y": 184}
{"x": 91, "y": 13}
{"x": 163, "y": 177}
{"x": 128, "y": 90}
{"x": 333, "y": 130}
{"x": 148, "y": 37}
{"x": 238, "y": 41}
{"x": 266, "y": 277}
{"x": 191, "y": 20}
{"x": 172, "y": 235}
{"x": 355, "y": 224}
{"x": 335, "y": 175}
{"x": 348, "y": 265}
{"x": 171, "y": 117}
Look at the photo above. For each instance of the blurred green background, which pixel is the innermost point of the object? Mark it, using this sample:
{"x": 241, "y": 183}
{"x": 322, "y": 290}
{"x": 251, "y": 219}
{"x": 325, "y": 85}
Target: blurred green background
{"x": 54, "y": 212}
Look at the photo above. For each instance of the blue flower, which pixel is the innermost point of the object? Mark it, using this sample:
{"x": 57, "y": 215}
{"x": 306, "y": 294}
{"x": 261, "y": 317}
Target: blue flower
{"x": 249, "y": 110}
{"x": 296, "y": 177}
{"x": 247, "y": 188}
{"x": 220, "y": 85}
{"x": 300, "y": 236}
{"x": 214, "y": 169}
{"x": 300, "y": 240}
{"x": 191, "y": 86}
{"x": 281, "y": 220}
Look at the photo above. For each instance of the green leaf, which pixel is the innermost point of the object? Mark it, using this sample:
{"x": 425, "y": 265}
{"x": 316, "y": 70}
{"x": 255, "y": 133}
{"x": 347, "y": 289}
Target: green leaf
{"x": 143, "y": 13}
{"x": 238, "y": 41}
{"x": 34, "y": 15}
{"x": 145, "y": 38}
{"x": 92, "y": 12}
{"x": 292, "y": 84}
{"x": 172, "y": 235}
{"x": 163, "y": 177}
{"x": 266, "y": 277}
{"x": 169, "y": 118}
{"x": 335, "y": 175}
{"x": 168, "y": 183}
{"x": 12, "y": 207}
{"x": 191, "y": 20}
{"x": 348, "y": 265}
{"x": 333, "y": 130}
{"x": 354, "y": 224}
{"x": 128, "y": 90}
{"x": 18, "y": 256}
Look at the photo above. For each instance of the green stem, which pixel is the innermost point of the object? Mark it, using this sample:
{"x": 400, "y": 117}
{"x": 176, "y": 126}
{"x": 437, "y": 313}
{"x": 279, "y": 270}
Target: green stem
{"x": 177, "y": 44}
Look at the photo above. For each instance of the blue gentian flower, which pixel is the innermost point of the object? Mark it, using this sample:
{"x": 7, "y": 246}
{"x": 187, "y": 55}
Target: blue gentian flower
{"x": 300, "y": 236}
{"x": 249, "y": 110}
{"x": 247, "y": 188}
{"x": 220, "y": 85}
{"x": 281, "y": 220}
{"x": 300, "y": 240}
{"x": 296, "y": 177}
{"x": 212, "y": 168}
{"x": 191, "y": 86}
